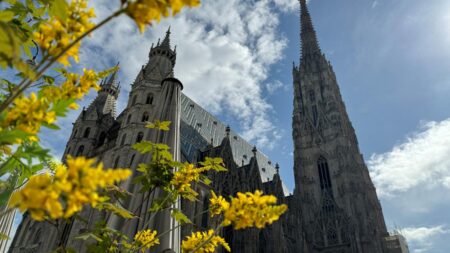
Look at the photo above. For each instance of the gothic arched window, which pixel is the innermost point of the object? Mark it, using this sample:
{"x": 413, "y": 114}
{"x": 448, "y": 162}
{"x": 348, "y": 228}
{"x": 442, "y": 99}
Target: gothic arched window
{"x": 139, "y": 137}
{"x": 86, "y": 132}
{"x": 149, "y": 99}
{"x": 131, "y": 160}
{"x": 75, "y": 133}
{"x": 68, "y": 151}
{"x": 124, "y": 137}
{"x": 315, "y": 115}
{"x": 145, "y": 117}
{"x": 128, "y": 119}
{"x": 101, "y": 139}
{"x": 324, "y": 173}
{"x": 116, "y": 162}
{"x": 133, "y": 102}
{"x": 80, "y": 150}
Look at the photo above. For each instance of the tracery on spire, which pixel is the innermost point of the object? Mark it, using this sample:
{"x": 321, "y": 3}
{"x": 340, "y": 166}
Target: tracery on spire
{"x": 309, "y": 43}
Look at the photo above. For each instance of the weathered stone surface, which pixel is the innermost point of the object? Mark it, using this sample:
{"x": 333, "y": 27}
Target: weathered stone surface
{"x": 334, "y": 207}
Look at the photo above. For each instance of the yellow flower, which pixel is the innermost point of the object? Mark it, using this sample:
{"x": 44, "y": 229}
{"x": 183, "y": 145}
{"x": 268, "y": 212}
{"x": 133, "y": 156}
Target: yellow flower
{"x": 28, "y": 114}
{"x": 38, "y": 198}
{"x": 68, "y": 190}
{"x": 183, "y": 178}
{"x": 203, "y": 242}
{"x": 217, "y": 204}
{"x": 144, "y": 12}
{"x": 56, "y": 34}
{"x": 146, "y": 239}
{"x": 253, "y": 210}
{"x": 74, "y": 87}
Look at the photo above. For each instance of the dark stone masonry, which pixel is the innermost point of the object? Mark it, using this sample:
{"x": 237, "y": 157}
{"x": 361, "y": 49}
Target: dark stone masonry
{"x": 334, "y": 207}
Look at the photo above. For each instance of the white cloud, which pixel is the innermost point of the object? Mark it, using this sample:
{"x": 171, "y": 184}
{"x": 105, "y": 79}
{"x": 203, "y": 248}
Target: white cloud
{"x": 222, "y": 60}
{"x": 421, "y": 238}
{"x": 288, "y": 4}
{"x": 423, "y": 160}
{"x": 446, "y": 182}
{"x": 274, "y": 86}
{"x": 423, "y": 234}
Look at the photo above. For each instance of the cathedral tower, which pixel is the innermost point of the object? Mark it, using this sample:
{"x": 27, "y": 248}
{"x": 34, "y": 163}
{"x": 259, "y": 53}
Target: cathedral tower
{"x": 90, "y": 130}
{"x": 340, "y": 210}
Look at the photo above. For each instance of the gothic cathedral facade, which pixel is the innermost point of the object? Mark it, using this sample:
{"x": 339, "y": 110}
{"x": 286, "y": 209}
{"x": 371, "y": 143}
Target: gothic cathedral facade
{"x": 333, "y": 209}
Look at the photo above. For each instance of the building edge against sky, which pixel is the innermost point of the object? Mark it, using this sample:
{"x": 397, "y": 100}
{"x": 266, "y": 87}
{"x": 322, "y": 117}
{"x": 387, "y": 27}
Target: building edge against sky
{"x": 334, "y": 202}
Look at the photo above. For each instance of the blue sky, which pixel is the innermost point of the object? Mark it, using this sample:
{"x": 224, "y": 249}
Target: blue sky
{"x": 391, "y": 59}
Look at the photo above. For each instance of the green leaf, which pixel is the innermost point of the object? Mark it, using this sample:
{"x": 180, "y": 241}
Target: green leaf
{"x": 11, "y": 136}
{"x": 118, "y": 210}
{"x": 144, "y": 147}
{"x": 160, "y": 125}
{"x": 4, "y": 196}
{"x": 6, "y": 16}
{"x": 87, "y": 236}
{"x": 10, "y": 43}
{"x": 51, "y": 126}
{"x": 160, "y": 203}
{"x": 48, "y": 79}
{"x": 180, "y": 217}
{"x": 39, "y": 12}
{"x": 206, "y": 180}
{"x": 214, "y": 164}
{"x": 59, "y": 8}
{"x": 142, "y": 167}
{"x": 62, "y": 106}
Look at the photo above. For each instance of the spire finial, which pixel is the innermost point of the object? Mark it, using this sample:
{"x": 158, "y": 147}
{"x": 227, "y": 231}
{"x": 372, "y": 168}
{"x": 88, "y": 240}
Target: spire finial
{"x": 309, "y": 42}
{"x": 166, "y": 41}
{"x": 254, "y": 150}
{"x": 227, "y": 130}
{"x": 277, "y": 167}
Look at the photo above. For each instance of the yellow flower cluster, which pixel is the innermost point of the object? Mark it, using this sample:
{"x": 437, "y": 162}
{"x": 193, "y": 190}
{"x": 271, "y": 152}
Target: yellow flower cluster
{"x": 144, "y": 12}
{"x": 217, "y": 204}
{"x": 65, "y": 193}
{"x": 146, "y": 239}
{"x": 184, "y": 177}
{"x": 28, "y": 114}
{"x": 249, "y": 210}
{"x": 203, "y": 242}
{"x": 74, "y": 87}
{"x": 56, "y": 34}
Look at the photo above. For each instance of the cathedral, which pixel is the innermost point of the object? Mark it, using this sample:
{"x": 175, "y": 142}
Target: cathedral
{"x": 334, "y": 207}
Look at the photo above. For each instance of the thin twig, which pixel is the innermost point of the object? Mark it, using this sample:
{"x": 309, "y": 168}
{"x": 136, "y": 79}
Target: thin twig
{"x": 26, "y": 82}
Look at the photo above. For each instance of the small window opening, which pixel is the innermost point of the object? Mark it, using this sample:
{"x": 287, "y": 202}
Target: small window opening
{"x": 139, "y": 137}
{"x": 145, "y": 117}
{"x": 86, "y": 132}
{"x": 80, "y": 151}
{"x": 149, "y": 99}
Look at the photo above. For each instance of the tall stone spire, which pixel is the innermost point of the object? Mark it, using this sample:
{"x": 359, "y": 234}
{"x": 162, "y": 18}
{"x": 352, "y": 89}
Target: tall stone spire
{"x": 310, "y": 46}
{"x": 340, "y": 209}
{"x": 166, "y": 42}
